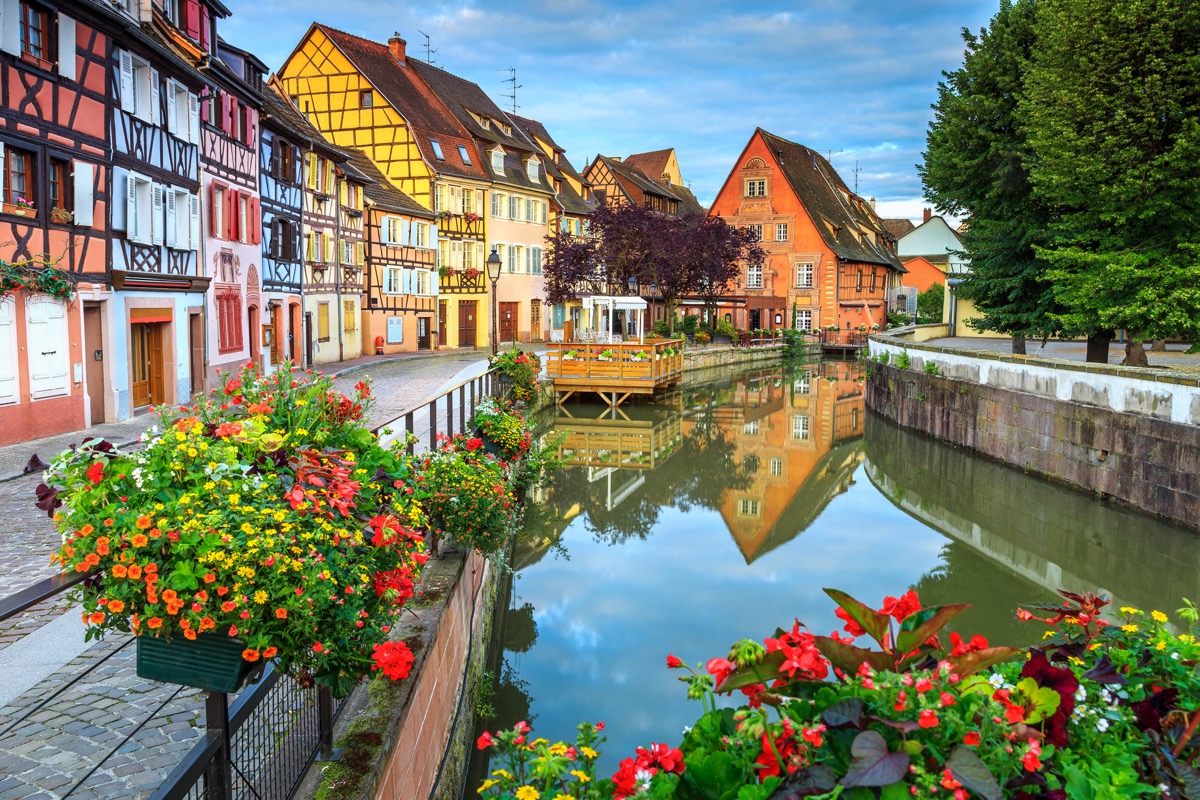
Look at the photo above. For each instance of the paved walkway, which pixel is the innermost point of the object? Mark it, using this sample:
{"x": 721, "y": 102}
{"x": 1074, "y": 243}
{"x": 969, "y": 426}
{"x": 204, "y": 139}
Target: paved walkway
{"x": 75, "y": 718}
{"x": 1175, "y": 355}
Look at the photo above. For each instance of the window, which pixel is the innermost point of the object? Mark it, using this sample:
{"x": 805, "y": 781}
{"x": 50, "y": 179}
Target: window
{"x": 18, "y": 175}
{"x": 183, "y": 219}
{"x": 754, "y": 276}
{"x": 283, "y": 239}
{"x": 532, "y": 168}
{"x": 59, "y": 188}
{"x": 776, "y": 467}
{"x": 420, "y": 234}
{"x": 322, "y": 322}
{"x": 366, "y": 99}
{"x": 462, "y": 152}
{"x": 139, "y": 88}
{"x": 858, "y": 284}
{"x": 802, "y": 384}
{"x": 392, "y": 280}
{"x": 229, "y": 319}
{"x": 393, "y": 230}
{"x": 518, "y": 258}
{"x": 243, "y": 217}
{"x": 183, "y": 113}
{"x": 803, "y": 321}
{"x": 349, "y": 316}
{"x": 348, "y": 252}
{"x": 35, "y": 34}
{"x": 757, "y": 230}
{"x": 750, "y": 428}
{"x": 800, "y": 427}
{"x": 143, "y": 200}
{"x": 756, "y": 187}
{"x": 437, "y": 150}
{"x": 781, "y": 231}
{"x": 217, "y": 211}
{"x": 501, "y": 252}
{"x": 748, "y": 508}
{"x": 804, "y": 276}
{"x": 498, "y": 161}
{"x": 283, "y": 161}
{"x": 423, "y": 282}
{"x": 499, "y": 205}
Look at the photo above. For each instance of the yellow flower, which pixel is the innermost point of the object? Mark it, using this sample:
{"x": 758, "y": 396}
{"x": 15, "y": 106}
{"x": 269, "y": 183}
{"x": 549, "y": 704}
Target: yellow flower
{"x": 558, "y": 749}
{"x": 1160, "y": 646}
{"x": 1047, "y": 634}
{"x": 1129, "y": 628}
{"x": 589, "y": 753}
{"x": 1158, "y": 616}
{"x": 581, "y": 775}
{"x": 260, "y": 597}
{"x": 527, "y": 793}
{"x": 489, "y": 783}
{"x": 503, "y": 773}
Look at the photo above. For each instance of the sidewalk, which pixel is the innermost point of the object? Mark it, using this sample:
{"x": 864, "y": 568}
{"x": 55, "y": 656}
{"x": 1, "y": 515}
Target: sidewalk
{"x": 14, "y": 457}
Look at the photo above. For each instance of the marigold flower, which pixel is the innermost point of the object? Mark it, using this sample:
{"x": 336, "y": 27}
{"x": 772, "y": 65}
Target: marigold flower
{"x": 139, "y": 540}
{"x": 188, "y": 633}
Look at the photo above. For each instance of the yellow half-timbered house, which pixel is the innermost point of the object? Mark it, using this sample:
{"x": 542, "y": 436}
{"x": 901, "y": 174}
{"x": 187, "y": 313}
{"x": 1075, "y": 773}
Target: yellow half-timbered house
{"x": 367, "y": 95}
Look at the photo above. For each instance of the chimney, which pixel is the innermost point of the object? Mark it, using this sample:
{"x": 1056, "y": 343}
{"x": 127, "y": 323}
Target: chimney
{"x": 396, "y": 45}
{"x": 872, "y": 203}
{"x": 928, "y": 214}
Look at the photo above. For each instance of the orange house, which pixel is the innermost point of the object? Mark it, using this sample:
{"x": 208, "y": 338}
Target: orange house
{"x": 924, "y": 273}
{"x": 829, "y": 258}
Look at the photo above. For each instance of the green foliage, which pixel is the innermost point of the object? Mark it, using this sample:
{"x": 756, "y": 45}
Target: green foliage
{"x": 931, "y": 368}
{"x": 520, "y": 369}
{"x": 903, "y": 361}
{"x": 929, "y": 304}
{"x": 36, "y": 277}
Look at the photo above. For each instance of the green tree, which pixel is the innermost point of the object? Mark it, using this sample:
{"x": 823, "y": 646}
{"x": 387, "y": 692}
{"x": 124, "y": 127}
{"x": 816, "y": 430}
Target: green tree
{"x": 976, "y": 165}
{"x": 930, "y": 303}
{"x": 1112, "y": 114}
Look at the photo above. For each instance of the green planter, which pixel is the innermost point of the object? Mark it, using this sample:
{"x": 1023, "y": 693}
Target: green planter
{"x": 209, "y": 661}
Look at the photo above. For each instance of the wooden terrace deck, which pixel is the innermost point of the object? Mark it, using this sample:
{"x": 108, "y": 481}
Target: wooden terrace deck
{"x": 614, "y": 371}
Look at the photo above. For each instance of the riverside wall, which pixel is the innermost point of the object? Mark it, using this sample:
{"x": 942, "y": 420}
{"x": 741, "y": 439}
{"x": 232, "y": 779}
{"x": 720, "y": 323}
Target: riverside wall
{"x": 1129, "y": 435}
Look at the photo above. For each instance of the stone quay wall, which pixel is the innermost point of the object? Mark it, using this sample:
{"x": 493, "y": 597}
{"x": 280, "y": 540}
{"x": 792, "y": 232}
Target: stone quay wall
{"x": 1130, "y": 435}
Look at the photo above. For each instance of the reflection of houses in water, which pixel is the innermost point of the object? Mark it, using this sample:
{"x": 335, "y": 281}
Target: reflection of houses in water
{"x": 790, "y": 431}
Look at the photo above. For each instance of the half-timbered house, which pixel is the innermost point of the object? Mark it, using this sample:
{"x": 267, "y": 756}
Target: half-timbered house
{"x": 518, "y": 214}
{"x": 319, "y": 221}
{"x": 160, "y": 321}
{"x": 368, "y": 95}
{"x": 400, "y": 294}
{"x": 568, "y": 210}
{"x": 829, "y": 258}
{"x": 616, "y": 184}
{"x": 53, "y": 214}
{"x": 284, "y": 136}
{"x": 351, "y": 266}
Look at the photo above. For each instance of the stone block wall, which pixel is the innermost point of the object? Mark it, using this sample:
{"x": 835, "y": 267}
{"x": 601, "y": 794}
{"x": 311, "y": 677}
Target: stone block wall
{"x": 1138, "y": 456}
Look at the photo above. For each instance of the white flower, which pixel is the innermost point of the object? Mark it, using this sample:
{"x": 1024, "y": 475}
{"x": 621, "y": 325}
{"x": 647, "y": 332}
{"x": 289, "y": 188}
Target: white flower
{"x": 1080, "y": 694}
{"x": 996, "y": 679}
{"x": 686, "y": 729}
{"x": 1102, "y": 725}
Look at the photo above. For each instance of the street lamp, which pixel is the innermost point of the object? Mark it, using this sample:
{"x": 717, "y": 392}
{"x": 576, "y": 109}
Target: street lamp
{"x": 493, "y": 272}
{"x": 632, "y": 284}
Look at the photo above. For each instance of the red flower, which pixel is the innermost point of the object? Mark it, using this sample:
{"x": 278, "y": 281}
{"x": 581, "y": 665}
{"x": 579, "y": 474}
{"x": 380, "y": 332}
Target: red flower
{"x": 785, "y": 746}
{"x": 928, "y": 718}
{"x": 948, "y": 780}
{"x": 95, "y": 472}
{"x": 484, "y": 741}
{"x": 394, "y": 658}
{"x": 971, "y": 739}
{"x": 1065, "y": 684}
{"x": 625, "y": 780}
{"x": 673, "y": 662}
{"x": 719, "y": 668}
{"x": 946, "y": 699}
{"x": 923, "y": 685}
{"x": 233, "y": 386}
{"x": 1031, "y": 760}
{"x": 228, "y": 429}
{"x": 851, "y": 627}
{"x": 318, "y": 648}
{"x": 901, "y": 607}
{"x": 959, "y": 647}
{"x": 659, "y": 756}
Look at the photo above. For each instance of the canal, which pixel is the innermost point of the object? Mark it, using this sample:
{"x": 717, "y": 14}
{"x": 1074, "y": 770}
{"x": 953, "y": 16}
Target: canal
{"x": 721, "y": 512}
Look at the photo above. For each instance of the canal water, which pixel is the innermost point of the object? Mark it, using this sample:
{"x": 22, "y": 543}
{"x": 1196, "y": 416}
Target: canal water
{"x": 721, "y": 513}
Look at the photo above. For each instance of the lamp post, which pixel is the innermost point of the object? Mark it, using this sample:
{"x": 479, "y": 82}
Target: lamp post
{"x": 493, "y": 272}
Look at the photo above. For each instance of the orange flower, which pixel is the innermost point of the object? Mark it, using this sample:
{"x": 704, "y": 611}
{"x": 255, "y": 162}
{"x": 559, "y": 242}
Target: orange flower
{"x": 152, "y": 567}
{"x": 169, "y": 596}
{"x": 250, "y": 654}
{"x": 207, "y": 624}
{"x": 115, "y": 606}
{"x": 175, "y": 608}
{"x": 210, "y": 577}
{"x": 118, "y": 571}
{"x": 92, "y": 559}
{"x": 154, "y": 622}
{"x": 140, "y": 540}
{"x": 102, "y": 546}
{"x": 109, "y": 522}
{"x": 188, "y": 633}
{"x": 281, "y": 613}
{"x": 134, "y": 571}
{"x": 151, "y": 597}
{"x": 96, "y": 617}
{"x": 270, "y": 652}
{"x": 87, "y": 529}
{"x": 143, "y": 522}
{"x": 82, "y": 566}
{"x": 185, "y": 623}
{"x": 154, "y": 533}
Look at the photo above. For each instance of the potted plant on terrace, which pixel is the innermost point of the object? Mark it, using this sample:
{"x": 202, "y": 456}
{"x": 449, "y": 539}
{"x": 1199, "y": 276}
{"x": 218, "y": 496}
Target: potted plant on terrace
{"x": 265, "y": 522}
{"x": 503, "y": 431}
{"x": 606, "y": 355}
{"x": 520, "y": 369}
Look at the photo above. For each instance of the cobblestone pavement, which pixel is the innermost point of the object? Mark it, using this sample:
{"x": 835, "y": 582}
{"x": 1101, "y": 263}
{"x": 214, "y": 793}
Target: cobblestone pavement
{"x": 93, "y": 729}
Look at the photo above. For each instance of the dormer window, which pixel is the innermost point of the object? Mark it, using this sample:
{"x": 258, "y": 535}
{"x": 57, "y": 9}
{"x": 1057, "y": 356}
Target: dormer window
{"x": 437, "y": 150}
{"x": 498, "y": 161}
{"x": 532, "y": 168}
{"x": 366, "y": 99}
{"x": 462, "y": 152}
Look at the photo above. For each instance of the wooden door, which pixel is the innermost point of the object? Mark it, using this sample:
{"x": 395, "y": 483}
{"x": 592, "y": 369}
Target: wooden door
{"x": 441, "y": 323}
{"x": 508, "y": 321}
{"x": 158, "y": 370}
{"x": 196, "y": 353}
{"x": 422, "y": 333}
{"x": 467, "y": 313}
{"x": 93, "y": 359}
{"x": 139, "y": 348}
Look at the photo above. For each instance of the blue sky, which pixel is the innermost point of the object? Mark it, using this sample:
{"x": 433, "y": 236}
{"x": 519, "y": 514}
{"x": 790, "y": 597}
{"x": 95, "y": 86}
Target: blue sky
{"x": 853, "y": 78}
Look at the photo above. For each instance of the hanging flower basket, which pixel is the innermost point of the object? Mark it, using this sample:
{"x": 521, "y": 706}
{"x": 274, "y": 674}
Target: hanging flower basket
{"x": 212, "y": 662}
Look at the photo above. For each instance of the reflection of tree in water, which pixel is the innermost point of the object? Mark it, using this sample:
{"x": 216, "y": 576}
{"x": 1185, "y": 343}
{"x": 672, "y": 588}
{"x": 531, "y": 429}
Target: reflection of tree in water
{"x": 520, "y": 629}
{"x": 967, "y": 576}
{"x": 511, "y": 700}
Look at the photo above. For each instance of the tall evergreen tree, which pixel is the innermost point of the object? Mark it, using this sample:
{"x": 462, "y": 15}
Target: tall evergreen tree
{"x": 1112, "y": 114}
{"x": 976, "y": 164}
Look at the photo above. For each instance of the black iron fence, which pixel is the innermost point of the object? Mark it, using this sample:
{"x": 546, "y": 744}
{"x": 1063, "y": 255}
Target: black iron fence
{"x": 259, "y": 743}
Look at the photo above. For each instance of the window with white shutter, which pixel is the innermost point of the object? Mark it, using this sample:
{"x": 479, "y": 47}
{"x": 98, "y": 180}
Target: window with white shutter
{"x": 49, "y": 353}
{"x": 83, "y": 175}
{"x": 10, "y": 385}
{"x": 139, "y": 208}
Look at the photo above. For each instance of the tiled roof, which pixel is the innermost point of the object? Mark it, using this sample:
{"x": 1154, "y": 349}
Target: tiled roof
{"x": 636, "y": 178}
{"x": 536, "y": 130}
{"x": 428, "y": 118}
{"x": 688, "y": 204}
{"x": 898, "y": 227}
{"x": 835, "y": 211}
{"x": 383, "y": 192}
{"x": 934, "y": 258}
{"x": 654, "y": 163}
{"x": 568, "y": 198}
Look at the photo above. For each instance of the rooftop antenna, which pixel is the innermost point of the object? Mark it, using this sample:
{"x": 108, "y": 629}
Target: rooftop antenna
{"x": 512, "y": 90}
{"x": 829, "y": 154}
{"x": 857, "y": 169}
{"x": 429, "y": 51}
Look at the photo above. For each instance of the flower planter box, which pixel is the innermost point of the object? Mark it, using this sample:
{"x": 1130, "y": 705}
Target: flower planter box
{"x": 209, "y": 661}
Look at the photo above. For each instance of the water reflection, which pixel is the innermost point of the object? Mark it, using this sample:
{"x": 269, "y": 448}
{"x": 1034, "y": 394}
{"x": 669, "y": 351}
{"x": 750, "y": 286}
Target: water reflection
{"x": 721, "y": 514}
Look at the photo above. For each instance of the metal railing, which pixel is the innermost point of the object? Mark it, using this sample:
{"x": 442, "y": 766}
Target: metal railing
{"x": 261, "y": 744}
{"x": 844, "y": 338}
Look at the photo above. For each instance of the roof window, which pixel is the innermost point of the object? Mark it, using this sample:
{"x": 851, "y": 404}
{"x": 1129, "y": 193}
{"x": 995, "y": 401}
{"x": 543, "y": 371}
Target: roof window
{"x": 437, "y": 149}
{"x": 462, "y": 151}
